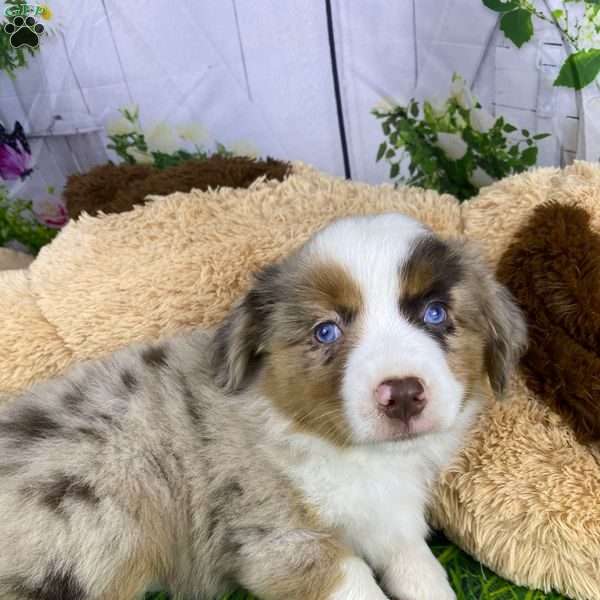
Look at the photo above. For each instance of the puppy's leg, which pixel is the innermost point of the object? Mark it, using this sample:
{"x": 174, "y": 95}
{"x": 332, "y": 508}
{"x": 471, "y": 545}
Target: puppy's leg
{"x": 303, "y": 565}
{"x": 72, "y": 525}
{"x": 79, "y": 550}
{"x": 356, "y": 582}
{"x": 415, "y": 574}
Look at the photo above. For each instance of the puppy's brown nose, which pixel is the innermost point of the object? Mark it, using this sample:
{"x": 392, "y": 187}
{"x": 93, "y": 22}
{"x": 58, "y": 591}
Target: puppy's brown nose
{"x": 401, "y": 398}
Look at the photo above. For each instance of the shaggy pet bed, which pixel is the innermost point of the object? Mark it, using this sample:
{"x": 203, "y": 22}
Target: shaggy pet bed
{"x": 117, "y": 188}
{"x": 524, "y": 496}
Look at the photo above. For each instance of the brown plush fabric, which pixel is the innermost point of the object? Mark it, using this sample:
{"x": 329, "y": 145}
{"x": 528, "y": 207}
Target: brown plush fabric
{"x": 118, "y": 188}
{"x": 552, "y": 267}
{"x": 95, "y": 191}
{"x": 215, "y": 172}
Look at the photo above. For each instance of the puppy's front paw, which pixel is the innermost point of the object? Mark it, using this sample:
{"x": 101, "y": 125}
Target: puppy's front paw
{"x": 357, "y": 583}
{"x": 417, "y": 575}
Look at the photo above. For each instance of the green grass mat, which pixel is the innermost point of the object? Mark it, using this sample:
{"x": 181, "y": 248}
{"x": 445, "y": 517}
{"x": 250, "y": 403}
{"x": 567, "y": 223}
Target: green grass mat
{"x": 469, "y": 578}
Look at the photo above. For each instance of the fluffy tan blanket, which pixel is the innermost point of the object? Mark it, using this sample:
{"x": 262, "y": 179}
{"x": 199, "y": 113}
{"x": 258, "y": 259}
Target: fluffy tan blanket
{"x": 524, "y": 497}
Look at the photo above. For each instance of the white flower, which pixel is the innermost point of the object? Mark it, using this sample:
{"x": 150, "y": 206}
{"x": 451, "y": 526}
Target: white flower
{"x": 480, "y": 178}
{"x": 452, "y": 144}
{"x": 385, "y": 105}
{"x": 243, "y": 148}
{"x": 193, "y": 132}
{"x": 588, "y": 28}
{"x": 132, "y": 110}
{"x": 461, "y": 93}
{"x": 50, "y": 17}
{"x": 161, "y": 138}
{"x": 438, "y": 107}
{"x": 120, "y": 126}
{"x": 481, "y": 120}
{"x": 142, "y": 158}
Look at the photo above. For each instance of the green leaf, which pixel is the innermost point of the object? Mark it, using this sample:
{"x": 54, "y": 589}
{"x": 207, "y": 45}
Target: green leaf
{"x": 557, "y": 14}
{"x": 381, "y": 151}
{"x": 499, "y": 124}
{"x": 386, "y": 127}
{"x": 508, "y": 128}
{"x": 390, "y": 153}
{"x": 429, "y": 166}
{"x": 525, "y": 132}
{"x": 580, "y": 69}
{"x": 541, "y": 136}
{"x": 414, "y": 109}
{"x": 517, "y": 26}
{"x": 17, "y": 222}
{"x": 395, "y": 169}
{"x": 500, "y": 6}
{"x": 428, "y": 112}
{"x": 529, "y": 156}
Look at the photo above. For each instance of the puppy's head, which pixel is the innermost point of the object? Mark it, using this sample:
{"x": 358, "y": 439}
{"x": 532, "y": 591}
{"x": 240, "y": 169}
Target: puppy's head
{"x": 375, "y": 330}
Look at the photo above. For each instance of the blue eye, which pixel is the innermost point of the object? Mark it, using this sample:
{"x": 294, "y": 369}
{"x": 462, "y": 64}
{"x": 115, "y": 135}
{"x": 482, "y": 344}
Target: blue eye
{"x": 327, "y": 333}
{"x": 435, "y": 314}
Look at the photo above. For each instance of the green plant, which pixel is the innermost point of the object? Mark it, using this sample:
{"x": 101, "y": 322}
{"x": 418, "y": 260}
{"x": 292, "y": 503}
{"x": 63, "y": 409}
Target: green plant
{"x": 578, "y": 24}
{"x": 18, "y": 222}
{"x": 455, "y": 148}
{"x": 12, "y": 58}
{"x": 129, "y": 142}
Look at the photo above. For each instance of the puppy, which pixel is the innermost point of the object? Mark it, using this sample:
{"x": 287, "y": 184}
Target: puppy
{"x": 289, "y": 451}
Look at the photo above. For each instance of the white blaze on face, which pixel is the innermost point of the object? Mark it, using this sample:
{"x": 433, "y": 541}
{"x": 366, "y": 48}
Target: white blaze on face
{"x": 387, "y": 346}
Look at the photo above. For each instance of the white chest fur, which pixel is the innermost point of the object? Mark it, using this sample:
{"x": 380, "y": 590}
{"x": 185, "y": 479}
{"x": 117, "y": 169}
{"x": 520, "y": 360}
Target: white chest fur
{"x": 375, "y": 495}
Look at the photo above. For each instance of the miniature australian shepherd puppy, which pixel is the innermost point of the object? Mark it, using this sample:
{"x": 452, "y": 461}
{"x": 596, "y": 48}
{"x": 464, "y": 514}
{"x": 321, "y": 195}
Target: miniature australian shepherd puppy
{"x": 289, "y": 451}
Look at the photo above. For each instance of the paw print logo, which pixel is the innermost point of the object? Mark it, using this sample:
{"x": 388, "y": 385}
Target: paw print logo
{"x": 24, "y": 32}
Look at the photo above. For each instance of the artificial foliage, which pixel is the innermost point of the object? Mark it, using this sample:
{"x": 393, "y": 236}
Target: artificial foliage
{"x": 129, "y": 142}
{"x": 455, "y": 148}
{"x": 578, "y": 23}
{"x": 19, "y": 223}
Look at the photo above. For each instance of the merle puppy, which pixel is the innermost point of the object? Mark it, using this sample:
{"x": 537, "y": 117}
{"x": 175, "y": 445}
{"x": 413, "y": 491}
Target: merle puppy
{"x": 290, "y": 451}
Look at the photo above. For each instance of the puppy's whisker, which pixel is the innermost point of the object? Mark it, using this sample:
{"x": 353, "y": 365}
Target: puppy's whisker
{"x": 322, "y": 415}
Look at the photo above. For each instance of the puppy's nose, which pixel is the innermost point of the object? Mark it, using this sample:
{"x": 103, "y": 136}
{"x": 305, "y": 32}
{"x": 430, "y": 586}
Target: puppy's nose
{"x": 401, "y": 398}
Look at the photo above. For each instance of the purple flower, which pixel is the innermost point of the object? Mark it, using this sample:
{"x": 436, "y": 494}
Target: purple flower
{"x": 51, "y": 212}
{"x": 15, "y": 153}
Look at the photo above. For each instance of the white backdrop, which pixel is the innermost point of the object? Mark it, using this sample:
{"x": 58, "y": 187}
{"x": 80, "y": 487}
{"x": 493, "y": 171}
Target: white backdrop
{"x": 261, "y": 72}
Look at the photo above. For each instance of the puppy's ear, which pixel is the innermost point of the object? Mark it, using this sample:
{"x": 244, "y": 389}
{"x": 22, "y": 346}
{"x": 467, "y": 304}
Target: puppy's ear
{"x": 507, "y": 335}
{"x": 502, "y": 321}
{"x": 496, "y": 315}
{"x": 238, "y": 343}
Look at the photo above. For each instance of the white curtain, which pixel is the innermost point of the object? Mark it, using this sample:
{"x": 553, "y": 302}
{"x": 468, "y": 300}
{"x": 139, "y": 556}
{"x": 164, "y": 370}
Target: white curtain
{"x": 262, "y": 73}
